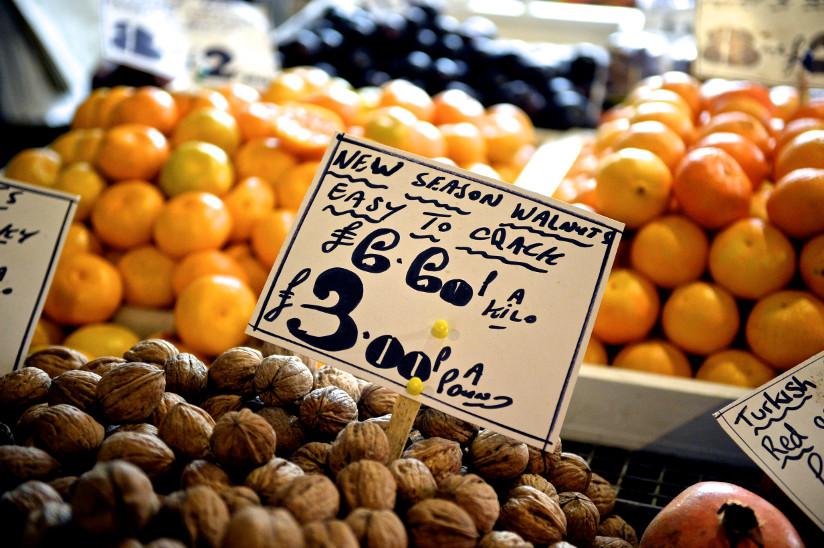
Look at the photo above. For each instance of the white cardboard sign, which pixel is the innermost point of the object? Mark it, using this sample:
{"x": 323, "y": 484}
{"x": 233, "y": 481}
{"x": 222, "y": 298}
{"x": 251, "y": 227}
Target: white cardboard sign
{"x": 33, "y": 225}
{"x": 780, "y": 426}
{"x": 387, "y": 243}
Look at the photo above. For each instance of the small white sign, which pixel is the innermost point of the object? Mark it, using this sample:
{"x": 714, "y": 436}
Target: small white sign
{"x": 387, "y": 243}
{"x": 771, "y": 41}
{"x": 33, "y": 225}
{"x": 780, "y": 426}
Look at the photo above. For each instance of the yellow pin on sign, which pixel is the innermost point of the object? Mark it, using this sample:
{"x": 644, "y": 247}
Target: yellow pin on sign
{"x": 440, "y": 329}
{"x": 414, "y": 386}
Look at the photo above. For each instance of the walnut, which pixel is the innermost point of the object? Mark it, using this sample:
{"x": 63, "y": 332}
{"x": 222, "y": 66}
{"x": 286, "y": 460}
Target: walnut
{"x": 312, "y": 457}
{"x": 441, "y": 456}
{"x": 233, "y": 371}
{"x": 187, "y": 376}
{"x": 533, "y": 515}
{"x": 67, "y": 433}
{"x": 186, "y": 428}
{"x": 204, "y": 472}
{"x": 23, "y": 426}
{"x": 55, "y": 359}
{"x": 358, "y": 440}
{"x": 263, "y": 527}
{"x": 77, "y": 388}
{"x": 538, "y": 482}
{"x": 327, "y": 410}
{"x": 562, "y": 544}
{"x": 382, "y": 421}
{"x": 542, "y": 462}
{"x": 242, "y": 440}
{"x": 114, "y": 497}
{"x": 503, "y": 539}
{"x": 328, "y": 375}
{"x": 609, "y": 542}
{"x": 270, "y": 348}
{"x": 377, "y": 528}
{"x": 167, "y": 401}
{"x": 267, "y": 478}
{"x": 197, "y": 516}
{"x": 21, "y": 389}
{"x": 281, "y": 380}
{"x": 308, "y": 498}
{"x": 17, "y": 504}
{"x": 330, "y": 533}
{"x": 141, "y": 427}
{"x": 582, "y": 517}
{"x": 473, "y": 494}
{"x": 289, "y": 430}
{"x": 102, "y": 365}
{"x": 155, "y": 351}
{"x": 435, "y": 423}
{"x": 239, "y": 496}
{"x": 601, "y": 493}
{"x": 616, "y": 526}
{"x": 434, "y": 523}
{"x": 414, "y": 480}
{"x": 6, "y": 435}
{"x": 48, "y": 525}
{"x": 130, "y": 392}
{"x": 375, "y": 401}
{"x": 572, "y": 473}
{"x": 64, "y": 486}
{"x": 367, "y": 483}
{"x": 147, "y": 452}
{"x": 219, "y": 405}
{"x": 162, "y": 542}
{"x": 496, "y": 456}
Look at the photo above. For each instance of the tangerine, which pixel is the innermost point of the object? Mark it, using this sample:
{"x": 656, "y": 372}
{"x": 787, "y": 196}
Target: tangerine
{"x": 80, "y": 178}
{"x": 190, "y": 222}
{"x": 97, "y": 340}
{"x": 131, "y": 151}
{"x": 811, "y": 265}
{"x": 670, "y": 250}
{"x": 735, "y": 367}
{"x": 264, "y": 158}
{"x": 149, "y": 105}
{"x": 805, "y": 150}
{"x": 197, "y": 166}
{"x": 124, "y": 214}
{"x": 147, "y": 277}
{"x": 700, "y": 317}
{"x": 268, "y": 234}
{"x": 211, "y": 125}
{"x": 654, "y": 137}
{"x": 306, "y": 129}
{"x": 745, "y": 152}
{"x": 36, "y": 166}
{"x": 629, "y": 308}
{"x": 796, "y": 203}
{"x": 247, "y": 201}
{"x": 203, "y": 263}
{"x": 654, "y": 356}
{"x": 85, "y": 288}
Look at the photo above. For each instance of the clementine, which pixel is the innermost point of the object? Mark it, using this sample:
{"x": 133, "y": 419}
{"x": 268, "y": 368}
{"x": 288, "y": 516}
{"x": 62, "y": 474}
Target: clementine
{"x": 147, "y": 277}
{"x": 629, "y": 308}
{"x": 670, "y": 250}
{"x": 654, "y": 356}
{"x": 190, "y": 222}
{"x": 131, "y": 151}
{"x": 811, "y": 265}
{"x": 797, "y": 201}
{"x": 124, "y": 214}
{"x": 85, "y": 288}
{"x": 700, "y": 317}
{"x": 735, "y": 367}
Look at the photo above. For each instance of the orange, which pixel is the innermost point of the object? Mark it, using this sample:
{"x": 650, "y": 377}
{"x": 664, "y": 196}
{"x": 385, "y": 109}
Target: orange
{"x": 78, "y": 145}
{"x": 786, "y": 327}
{"x": 786, "y": 100}
{"x": 670, "y": 250}
{"x": 197, "y": 166}
{"x": 284, "y": 87}
{"x": 239, "y": 96}
{"x": 265, "y": 158}
{"x": 293, "y": 185}
{"x": 750, "y": 105}
{"x": 717, "y": 92}
{"x": 403, "y": 93}
{"x": 643, "y": 94}
{"x": 342, "y": 100}
{"x": 510, "y": 170}
{"x": 96, "y": 340}
{"x": 804, "y": 150}
{"x": 736, "y": 367}
{"x": 426, "y": 140}
{"x": 741, "y": 123}
{"x": 255, "y": 273}
{"x": 654, "y": 137}
{"x": 675, "y": 118}
{"x": 794, "y": 128}
{"x": 595, "y": 353}
{"x": 131, "y": 151}
{"x": 745, "y": 152}
{"x": 306, "y": 129}
{"x": 465, "y": 143}
{"x": 192, "y": 221}
{"x": 80, "y": 178}
{"x": 268, "y": 234}
{"x": 654, "y": 356}
{"x": 36, "y": 166}
{"x": 506, "y": 133}
{"x": 391, "y": 126}
{"x": 147, "y": 277}
{"x": 86, "y": 288}
{"x": 711, "y": 188}
{"x": 211, "y": 125}
{"x": 211, "y": 314}
{"x": 632, "y": 186}
{"x": 685, "y": 85}
{"x": 758, "y": 203}
{"x": 202, "y": 263}
{"x": 797, "y": 202}
{"x": 751, "y": 258}
{"x": 316, "y": 78}
{"x": 247, "y": 201}
{"x": 96, "y": 110}
{"x": 46, "y": 333}
{"x": 814, "y": 108}
{"x": 629, "y": 308}
{"x": 80, "y": 239}
{"x": 148, "y": 105}
{"x": 190, "y": 100}
{"x": 124, "y": 214}
{"x": 456, "y": 105}
{"x": 700, "y": 317}
{"x": 257, "y": 120}
{"x": 607, "y": 133}
{"x": 811, "y": 265}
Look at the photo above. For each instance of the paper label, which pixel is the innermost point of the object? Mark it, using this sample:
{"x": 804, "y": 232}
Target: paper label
{"x": 781, "y": 427}
{"x": 387, "y": 243}
{"x": 771, "y": 41}
{"x": 33, "y": 225}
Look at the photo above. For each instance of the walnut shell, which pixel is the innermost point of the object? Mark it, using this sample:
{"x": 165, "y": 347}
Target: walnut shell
{"x": 375, "y": 401}
{"x": 435, "y": 423}
{"x": 77, "y": 388}
{"x": 328, "y": 375}
{"x": 582, "y": 517}
{"x": 330, "y": 533}
{"x": 167, "y": 401}
{"x": 496, "y": 456}
{"x": 572, "y": 473}
{"x": 154, "y": 351}
{"x": 289, "y": 429}
{"x": 281, "y": 380}
{"x": 414, "y": 480}
{"x": 270, "y": 348}
{"x": 55, "y": 359}
{"x": 358, "y": 440}
{"x": 187, "y": 376}
{"x": 23, "y": 426}
{"x": 312, "y": 457}
{"x": 242, "y": 440}
{"x": 327, "y": 410}
{"x": 49, "y": 525}
{"x": 367, "y": 483}
{"x": 67, "y": 433}
{"x": 543, "y": 462}
{"x": 601, "y": 493}
{"x": 614, "y": 525}
{"x": 141, "y": 427}
{"x": 64, "y": 486}
{"x": 503, "y": 539}
{"x": 147, "y": 452}
{"x": 443, "y": 457}
{"x": 22, "y": 388}
{"x": 204, "y": 472}
{"x": 130, "y": 392}
{"x": 267, "y": 478}
{"x": 533, "y": 515}
{"x": 609, "y": 542}
{"x": 219, "y": 405}
{"x": 19, "y": 464}
{"x": 263, "y": 527}
{"x": 239, "y": 496}
{"x": 377, "y": 528}
{"x": 17, "y": 504}
{"x": 233, "y": 371}
{"x": 538, "y": 482}
{"x": 473, "y": 494}
{"x": 186, "y": 428}
{"x": 102, "y": 365}
{"x": 309, "y": 498}
{"x": 195, "y": 515}
{"x": 434, "y": 523}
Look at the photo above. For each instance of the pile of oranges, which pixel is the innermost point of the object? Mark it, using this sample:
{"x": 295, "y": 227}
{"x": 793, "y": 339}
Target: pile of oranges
{"x": 720, "y": 274}
{"x": 187, "y": 196}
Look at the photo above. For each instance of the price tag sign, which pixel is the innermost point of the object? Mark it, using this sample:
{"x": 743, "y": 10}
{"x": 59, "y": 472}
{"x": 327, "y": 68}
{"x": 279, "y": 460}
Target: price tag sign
{"x": 33, "y": 225}
{"x": 772, "y": 41}
{"x": 781, "y": 427}
{"x": 388, "y": 246}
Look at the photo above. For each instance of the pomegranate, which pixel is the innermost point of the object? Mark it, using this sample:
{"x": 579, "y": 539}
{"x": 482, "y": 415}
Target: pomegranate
{"x": 714, "y": 514}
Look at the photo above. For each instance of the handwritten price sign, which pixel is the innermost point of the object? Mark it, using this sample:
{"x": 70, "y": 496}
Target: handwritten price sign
{"x": 781, "y": 427}
{"x": 33, "y": 224}
{"x": 386, "y": 245}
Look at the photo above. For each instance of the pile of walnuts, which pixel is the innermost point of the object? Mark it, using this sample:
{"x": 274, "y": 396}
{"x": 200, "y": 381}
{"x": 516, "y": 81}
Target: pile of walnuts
{"x": 265, "y": 449}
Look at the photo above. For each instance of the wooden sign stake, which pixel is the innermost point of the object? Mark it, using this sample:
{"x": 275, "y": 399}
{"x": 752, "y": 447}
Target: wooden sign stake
{"x": 403, "y": 417}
